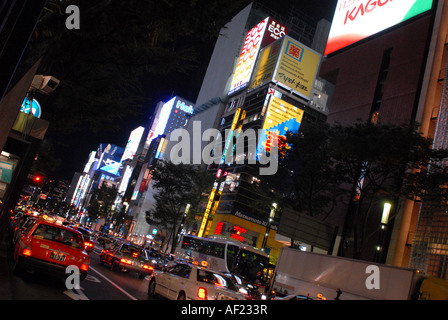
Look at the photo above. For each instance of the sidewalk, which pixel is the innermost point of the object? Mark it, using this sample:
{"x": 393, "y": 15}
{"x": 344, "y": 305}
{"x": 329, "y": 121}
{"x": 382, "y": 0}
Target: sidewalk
{"x": 5, "y": 271}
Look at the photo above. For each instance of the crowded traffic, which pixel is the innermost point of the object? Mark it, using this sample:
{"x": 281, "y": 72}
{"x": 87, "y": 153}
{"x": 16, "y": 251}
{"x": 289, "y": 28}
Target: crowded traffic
{"x": 45, "y": 244}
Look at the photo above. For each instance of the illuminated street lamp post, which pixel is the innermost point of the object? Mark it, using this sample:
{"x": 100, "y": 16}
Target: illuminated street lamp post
{"x": 268, "y": 227}
{"x": 384, "y": 220}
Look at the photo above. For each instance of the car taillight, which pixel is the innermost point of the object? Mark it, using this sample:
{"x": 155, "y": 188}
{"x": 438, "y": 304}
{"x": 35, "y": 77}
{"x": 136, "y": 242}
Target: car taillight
{"x": 202, "y": 293}
{"x": 147, "y": 267}
{"x": 84, "y": 267}
{"x": 26, "y": 252}
{"x": 126, "y": 261}
{"x": 88, "y": 244}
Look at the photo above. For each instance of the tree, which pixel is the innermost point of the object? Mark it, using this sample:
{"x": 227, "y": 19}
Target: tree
{"x": 308, "y": 172}
{"x": 382, "y": 163}
{"x": 176, "y": 186}
{"x": 100, "y": 205}
{"x": 335, "y": 171}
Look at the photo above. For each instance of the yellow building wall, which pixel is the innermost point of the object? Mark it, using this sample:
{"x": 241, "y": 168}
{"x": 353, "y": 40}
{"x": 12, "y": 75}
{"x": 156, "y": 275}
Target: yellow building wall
{"x": 274, "y": 245}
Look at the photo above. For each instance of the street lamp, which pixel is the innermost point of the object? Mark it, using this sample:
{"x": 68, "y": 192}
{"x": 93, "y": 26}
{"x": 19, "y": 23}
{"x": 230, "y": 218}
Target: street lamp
{"x": 385, "y": 215}
{"x": 384, "y": 220}
{"x": 268, "y": 227}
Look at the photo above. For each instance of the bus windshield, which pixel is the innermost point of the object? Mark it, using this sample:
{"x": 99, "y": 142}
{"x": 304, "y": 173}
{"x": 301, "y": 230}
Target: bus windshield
{"x": 223, "y": 256}
{"x": 250, "y": 266}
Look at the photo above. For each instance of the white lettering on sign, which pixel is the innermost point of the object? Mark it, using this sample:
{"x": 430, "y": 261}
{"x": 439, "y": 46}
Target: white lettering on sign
{"x": 185, "y": 108}
{"x": 277, "y": 31}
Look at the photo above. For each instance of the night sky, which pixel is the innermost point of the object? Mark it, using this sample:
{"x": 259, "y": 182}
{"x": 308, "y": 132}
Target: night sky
{"x": 185, "y": 86}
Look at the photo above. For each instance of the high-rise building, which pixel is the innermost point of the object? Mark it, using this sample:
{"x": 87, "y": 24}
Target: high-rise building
{"x": 220, "y": 95}
{"x": 213, "y": 94}
{"x": 393, "y": 71}
{"x": 137, "y": 190}
{"x": 102, "y": 167}
{"x": 275, "y": 98}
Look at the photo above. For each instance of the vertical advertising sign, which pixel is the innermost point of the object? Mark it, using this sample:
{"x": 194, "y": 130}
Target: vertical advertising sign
{"x": 280, "y": 118}
{"x": 133, "y": 142}
{"x": 261, "y": 35}
{"x": 266, "y": 64}
{"x": 356, "y": 20}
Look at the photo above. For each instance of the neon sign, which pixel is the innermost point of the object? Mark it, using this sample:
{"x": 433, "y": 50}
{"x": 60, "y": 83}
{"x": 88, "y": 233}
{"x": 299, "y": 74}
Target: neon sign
{"x": 238, "y": 232}
{"x": 184, "y": 107}
{"x": 218, "y": 229}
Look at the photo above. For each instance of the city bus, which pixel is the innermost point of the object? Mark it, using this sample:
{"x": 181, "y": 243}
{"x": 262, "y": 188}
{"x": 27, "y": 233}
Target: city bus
{"x": 227, "y": 256}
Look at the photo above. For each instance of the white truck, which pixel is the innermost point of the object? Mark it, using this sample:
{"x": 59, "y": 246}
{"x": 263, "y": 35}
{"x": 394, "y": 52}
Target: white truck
{"x": 331, "y": 277}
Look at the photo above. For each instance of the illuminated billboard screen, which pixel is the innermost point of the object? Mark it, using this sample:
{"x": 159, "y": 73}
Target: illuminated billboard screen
{"x": 173, "y": 115}
{"x": 133, "y": 142}
{"x": 280, "y": 118}
{"x": 261, "y": 35}
{"x": 288, "y": 62}
{"x": 356, "y": 20}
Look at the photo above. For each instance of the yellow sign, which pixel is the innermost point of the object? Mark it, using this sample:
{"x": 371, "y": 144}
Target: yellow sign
{"x": 297, "y": 67}
{"x": 207, "y": 212}
{"x": 281, "y": 112}
{"x": 266, "y": 64}
{"x": 288, "y": 62}
{"x": 280, "y": 118}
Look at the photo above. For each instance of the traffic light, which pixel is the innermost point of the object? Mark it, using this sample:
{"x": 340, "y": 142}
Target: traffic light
{"x": 37, "y": 179}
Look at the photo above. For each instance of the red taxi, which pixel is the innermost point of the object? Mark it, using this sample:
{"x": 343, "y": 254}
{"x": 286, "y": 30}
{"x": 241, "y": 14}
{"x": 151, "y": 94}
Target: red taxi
{"x": 50, "y": 247}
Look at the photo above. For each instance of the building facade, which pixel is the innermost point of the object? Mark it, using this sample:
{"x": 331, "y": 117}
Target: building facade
{"x": 395, "y": 75}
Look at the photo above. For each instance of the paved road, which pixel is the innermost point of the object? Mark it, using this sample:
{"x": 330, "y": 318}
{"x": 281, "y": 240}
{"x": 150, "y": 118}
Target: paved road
{"x": 100, "y": 284}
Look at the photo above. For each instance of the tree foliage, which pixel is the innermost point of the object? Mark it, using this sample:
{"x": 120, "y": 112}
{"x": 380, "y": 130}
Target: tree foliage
{"x": 355, "y": 169}
{"x": 310, "y": 169}
{"x": 100, "y": 205}
{"x": 176, "y": 186}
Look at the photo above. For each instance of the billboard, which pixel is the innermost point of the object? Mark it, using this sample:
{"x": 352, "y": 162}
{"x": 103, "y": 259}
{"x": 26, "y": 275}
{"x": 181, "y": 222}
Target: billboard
{"x": 289, "y": 63}
{"x": 110, "y": 159}
{"x": 261, "y": 35}
{"x": 356, "y": 20}
{"x": 173, "y": 114}
{"x": 280, "y": 118}
{"x": 133, "y": 142}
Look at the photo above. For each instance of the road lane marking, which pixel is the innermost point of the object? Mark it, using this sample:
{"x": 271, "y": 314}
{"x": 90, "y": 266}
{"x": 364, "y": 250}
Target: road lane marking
{"x": 75, "y": 294}
{"x": 113, "y": 283}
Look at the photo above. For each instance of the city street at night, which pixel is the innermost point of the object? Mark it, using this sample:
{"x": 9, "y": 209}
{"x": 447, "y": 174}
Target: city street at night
{"x": 253, "y": 158}
{"x": 100, "y": 284}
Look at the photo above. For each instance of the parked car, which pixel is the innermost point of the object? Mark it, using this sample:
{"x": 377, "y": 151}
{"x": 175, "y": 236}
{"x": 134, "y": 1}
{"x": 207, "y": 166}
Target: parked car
{"x": 127, "y": 257}
{"x": 185, "y": 281}
{"x": 49, "y": 247}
